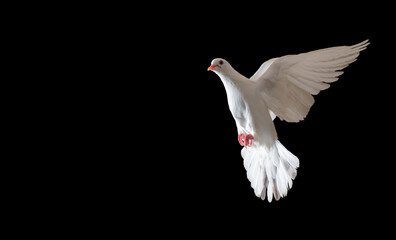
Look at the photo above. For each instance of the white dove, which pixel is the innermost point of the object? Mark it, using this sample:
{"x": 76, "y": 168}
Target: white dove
{"x": 282, "y": 87}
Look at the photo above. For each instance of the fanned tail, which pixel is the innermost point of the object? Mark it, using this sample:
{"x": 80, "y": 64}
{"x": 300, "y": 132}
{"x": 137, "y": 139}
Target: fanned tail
{"x": 270, "y": 169}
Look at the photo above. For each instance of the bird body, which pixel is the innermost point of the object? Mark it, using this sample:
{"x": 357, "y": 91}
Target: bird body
{"x": 281, "y": 87}
{"x": 248, "y": 108}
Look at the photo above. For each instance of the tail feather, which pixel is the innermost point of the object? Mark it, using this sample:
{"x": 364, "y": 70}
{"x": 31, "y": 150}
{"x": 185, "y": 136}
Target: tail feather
{"x": 270, "y": 169}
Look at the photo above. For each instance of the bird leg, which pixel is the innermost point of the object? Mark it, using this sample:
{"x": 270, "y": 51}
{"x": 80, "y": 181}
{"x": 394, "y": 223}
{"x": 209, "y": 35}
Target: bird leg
{"x": 245, "y": 140}
{"x": 241, "y": 139}
{"x": 248, "y": 140}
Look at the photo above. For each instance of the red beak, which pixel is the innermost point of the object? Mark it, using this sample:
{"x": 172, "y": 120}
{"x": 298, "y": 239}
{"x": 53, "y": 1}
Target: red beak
{"x": 211, "y": 67}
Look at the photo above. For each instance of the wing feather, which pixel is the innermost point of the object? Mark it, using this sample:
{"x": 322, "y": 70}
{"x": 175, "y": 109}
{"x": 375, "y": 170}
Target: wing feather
{"x": 288, "y": 83}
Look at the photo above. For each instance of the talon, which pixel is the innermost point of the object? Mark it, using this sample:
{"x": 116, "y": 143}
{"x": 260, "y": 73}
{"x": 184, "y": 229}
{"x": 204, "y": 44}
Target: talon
{"x": 241, "y": 139}
{"x": 248, "y": 141}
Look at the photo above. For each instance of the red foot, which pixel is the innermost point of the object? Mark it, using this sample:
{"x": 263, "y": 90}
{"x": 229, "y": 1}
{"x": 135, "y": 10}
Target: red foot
{"x": 241, "y": 139}
{"x": 249, "y": 140}
{"x": 245, "y": 140}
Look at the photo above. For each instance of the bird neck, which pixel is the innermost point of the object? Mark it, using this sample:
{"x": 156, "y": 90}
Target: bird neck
{"x": 231, "y": 78}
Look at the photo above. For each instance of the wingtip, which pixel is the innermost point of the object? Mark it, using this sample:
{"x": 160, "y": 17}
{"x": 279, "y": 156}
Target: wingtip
{"x": 366, "y": 42}
{"x": 361, "y": 46}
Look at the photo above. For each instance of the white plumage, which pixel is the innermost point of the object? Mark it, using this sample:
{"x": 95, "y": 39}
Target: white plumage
{"x": 282, "y": 87}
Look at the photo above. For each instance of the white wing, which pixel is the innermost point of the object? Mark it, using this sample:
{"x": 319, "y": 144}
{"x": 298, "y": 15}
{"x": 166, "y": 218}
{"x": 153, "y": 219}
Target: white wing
{"x": 288, "y": 83}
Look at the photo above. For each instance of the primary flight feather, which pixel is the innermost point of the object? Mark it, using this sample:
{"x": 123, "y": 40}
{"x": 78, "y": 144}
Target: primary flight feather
{"x": 282, "y": 87}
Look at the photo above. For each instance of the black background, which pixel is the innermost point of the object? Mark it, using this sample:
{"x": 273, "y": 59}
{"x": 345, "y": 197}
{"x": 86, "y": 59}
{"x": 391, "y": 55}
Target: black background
{"x": 165, "y": 144}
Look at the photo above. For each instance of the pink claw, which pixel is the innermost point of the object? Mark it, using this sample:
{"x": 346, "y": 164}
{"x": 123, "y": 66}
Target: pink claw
{"x": 241, "y": 139}
{"x": 248, "y": 140}
{"x": 245, "y": 140}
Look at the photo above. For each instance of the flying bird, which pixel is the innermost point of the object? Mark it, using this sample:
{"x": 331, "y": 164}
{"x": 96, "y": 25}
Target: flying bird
{"x": 282, "y": 87}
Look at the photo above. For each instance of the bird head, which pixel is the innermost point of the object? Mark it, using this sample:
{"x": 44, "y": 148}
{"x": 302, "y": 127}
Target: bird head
{"x": 218, "y": 65}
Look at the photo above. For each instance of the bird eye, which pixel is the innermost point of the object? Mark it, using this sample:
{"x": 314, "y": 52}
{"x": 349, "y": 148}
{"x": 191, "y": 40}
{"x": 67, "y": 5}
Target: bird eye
{"x": 221, "y": 62}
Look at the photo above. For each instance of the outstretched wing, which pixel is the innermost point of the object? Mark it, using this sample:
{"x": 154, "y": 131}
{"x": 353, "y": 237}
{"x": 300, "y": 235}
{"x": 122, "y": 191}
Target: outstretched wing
{"x": 288, "y": 83}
